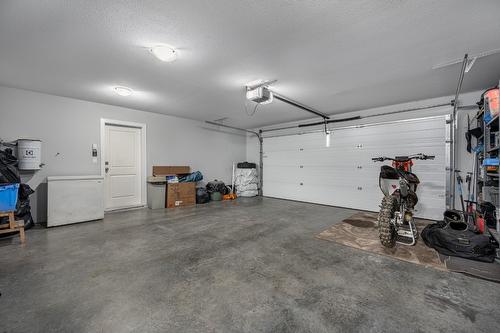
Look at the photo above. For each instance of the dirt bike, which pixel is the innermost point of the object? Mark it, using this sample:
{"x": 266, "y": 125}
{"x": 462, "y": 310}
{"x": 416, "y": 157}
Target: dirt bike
{"x": 399, "y": 185}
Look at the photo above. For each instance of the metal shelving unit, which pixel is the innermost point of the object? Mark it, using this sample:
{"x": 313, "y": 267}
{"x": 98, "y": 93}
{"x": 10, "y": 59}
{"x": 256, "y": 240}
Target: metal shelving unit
{"x": 491, "y": 181}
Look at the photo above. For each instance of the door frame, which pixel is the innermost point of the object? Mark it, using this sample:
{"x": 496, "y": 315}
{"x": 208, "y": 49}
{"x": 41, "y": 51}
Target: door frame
{"x": 129, "y": 124}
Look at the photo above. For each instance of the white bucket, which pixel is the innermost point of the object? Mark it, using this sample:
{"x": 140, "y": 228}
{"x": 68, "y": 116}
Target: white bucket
{"x": 29, "y": 154}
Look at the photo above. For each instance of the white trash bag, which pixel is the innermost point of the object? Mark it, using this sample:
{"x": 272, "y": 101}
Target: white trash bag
{"x": 246, "y": 182}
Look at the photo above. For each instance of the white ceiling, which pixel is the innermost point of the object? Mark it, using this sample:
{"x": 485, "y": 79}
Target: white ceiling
{"x": 336, "y": 56}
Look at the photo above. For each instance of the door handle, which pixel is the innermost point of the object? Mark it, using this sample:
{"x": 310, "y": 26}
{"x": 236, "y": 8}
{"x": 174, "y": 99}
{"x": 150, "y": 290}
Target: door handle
{"x": 106, "y": 169}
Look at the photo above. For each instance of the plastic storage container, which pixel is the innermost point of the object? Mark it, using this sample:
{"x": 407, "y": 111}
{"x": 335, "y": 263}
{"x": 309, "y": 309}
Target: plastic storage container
{"x": 491, "y": 165}
{"x": 8, "y": 197}
{"x": 157, "y": 187}
{"x": 491, "y": 162}
{"x": 491, "y": 101}
{"x": 491, "y": 104}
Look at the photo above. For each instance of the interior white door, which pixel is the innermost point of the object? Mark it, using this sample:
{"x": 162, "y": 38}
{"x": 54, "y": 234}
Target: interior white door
{"x": 301, "y": 167}
{"x": 122, "y": 166}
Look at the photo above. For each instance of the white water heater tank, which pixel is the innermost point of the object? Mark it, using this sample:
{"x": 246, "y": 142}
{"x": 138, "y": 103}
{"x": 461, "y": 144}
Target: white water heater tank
{"x": 29, "y": 154}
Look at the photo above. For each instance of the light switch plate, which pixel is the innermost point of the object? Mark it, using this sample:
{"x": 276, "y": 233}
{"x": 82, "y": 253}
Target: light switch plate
{"x": 94, "y": 151}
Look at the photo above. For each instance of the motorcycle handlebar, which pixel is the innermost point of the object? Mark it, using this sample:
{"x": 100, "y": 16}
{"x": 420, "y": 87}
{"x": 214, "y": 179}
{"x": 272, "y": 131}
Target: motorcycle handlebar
{"x": 411, "y": 157}
{"x": 424, "y": 157}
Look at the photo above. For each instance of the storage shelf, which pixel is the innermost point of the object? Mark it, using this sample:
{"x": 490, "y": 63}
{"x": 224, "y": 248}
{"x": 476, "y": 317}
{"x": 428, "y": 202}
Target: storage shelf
{"x": 491, "y": 150}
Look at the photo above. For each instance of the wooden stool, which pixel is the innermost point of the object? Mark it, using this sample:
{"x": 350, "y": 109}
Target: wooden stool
{"x": 12, "y": 226}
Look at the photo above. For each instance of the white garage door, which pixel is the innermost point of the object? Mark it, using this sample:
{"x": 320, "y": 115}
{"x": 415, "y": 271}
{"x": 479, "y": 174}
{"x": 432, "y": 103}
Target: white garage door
{"x": 301, "y": 167}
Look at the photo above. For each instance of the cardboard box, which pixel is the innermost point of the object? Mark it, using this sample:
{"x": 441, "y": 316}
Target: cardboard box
{"x": 159, "y": 170}
{"x": 181, "y": 194}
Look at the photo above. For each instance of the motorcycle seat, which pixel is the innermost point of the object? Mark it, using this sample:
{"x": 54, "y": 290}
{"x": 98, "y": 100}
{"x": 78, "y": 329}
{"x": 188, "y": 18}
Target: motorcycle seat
{"x": 388, "y": 172}
{"x": 410, "y": 177}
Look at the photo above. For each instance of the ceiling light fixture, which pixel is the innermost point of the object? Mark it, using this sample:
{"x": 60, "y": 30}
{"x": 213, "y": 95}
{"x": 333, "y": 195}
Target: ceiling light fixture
{"x": 123, "y": 91}
{"x": 164, "y": 52}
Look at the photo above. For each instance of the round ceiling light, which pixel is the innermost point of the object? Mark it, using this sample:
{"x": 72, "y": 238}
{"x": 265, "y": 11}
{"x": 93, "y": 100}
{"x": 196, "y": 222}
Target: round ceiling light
{"x": 123, "y": 91}
{"x": 164, "y": 53}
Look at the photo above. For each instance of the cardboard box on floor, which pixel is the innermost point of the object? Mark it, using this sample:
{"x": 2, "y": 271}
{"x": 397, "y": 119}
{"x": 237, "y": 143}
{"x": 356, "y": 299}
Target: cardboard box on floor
{"x": 177, "y": 194}
{"x": 181, "y": 194}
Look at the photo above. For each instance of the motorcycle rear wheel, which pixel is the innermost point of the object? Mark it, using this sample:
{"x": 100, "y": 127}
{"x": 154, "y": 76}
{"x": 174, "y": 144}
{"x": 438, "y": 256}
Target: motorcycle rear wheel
{"x": 386, "y": 230}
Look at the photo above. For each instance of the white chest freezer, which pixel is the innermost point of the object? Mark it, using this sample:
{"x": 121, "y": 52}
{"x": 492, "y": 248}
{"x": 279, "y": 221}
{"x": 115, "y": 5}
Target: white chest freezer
{"x": 73, "y": 199}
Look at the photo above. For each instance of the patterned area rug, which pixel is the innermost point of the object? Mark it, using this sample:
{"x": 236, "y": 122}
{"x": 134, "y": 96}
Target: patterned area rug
{"x": 359, "y": 231}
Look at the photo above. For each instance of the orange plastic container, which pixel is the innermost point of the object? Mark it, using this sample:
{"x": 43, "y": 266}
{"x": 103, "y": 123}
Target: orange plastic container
{"x": 491, "y": 102}
{"x": 480, "y": 225}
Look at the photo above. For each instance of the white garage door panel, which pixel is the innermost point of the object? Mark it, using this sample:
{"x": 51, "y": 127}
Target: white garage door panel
{"x": 301, "y": 167}
{"x": 285, "y": 191}
{"x": 285, "y": 174}
{"x": 283, "y": 158}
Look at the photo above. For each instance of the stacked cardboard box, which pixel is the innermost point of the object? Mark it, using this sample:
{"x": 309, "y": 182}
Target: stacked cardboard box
{"x": 177, "y": 194}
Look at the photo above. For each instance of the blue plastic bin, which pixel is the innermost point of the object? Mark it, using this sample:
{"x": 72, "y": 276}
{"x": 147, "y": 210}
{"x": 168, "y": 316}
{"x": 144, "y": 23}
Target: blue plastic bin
{"x": 487, "y": 117}
{"x": 8, "y": 197}
{"x": 491, "y": 161}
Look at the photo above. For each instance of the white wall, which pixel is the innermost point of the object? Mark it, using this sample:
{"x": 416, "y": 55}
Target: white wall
{"x": 68, "y": 128}
{"x": 464, "y": 159}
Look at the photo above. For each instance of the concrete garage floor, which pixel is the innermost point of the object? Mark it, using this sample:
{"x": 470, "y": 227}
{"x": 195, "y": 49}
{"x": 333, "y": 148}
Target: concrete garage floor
{"x": 247, "y": 266}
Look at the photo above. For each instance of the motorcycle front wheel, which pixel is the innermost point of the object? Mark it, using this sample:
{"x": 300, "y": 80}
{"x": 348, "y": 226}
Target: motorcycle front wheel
{"x": 386, "y": 230}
